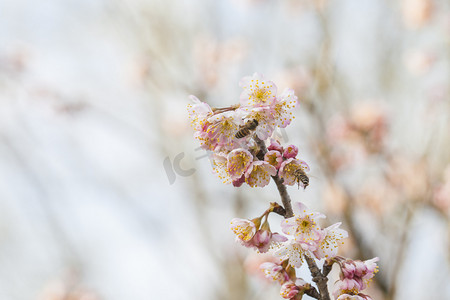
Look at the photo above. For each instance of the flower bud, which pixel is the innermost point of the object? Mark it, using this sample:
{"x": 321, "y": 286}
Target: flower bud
{"x": 290, "y": 151}
{"x": 289, "y": 290}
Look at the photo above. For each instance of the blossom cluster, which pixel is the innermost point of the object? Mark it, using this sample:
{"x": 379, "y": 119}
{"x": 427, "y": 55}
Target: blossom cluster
{"x": 304, "y": 236}
{"x": 229, "y": 133}
{"x": 355, "y": 276}
{"x": 244, "y": 151}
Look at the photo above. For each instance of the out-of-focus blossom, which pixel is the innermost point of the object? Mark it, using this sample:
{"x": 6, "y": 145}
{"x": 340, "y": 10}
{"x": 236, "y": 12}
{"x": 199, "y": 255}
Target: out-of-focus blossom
{"x": 290, "y": 151}
{"x": 298, "y": 78}
{"x": 274, "y": 158}
{"x": 334, "y": 198}
{"x": 303, "y": 227}
{"x": 212, "y": 58}
{"x": 328, "y": 247}
{"x": 288, "y": 171}
{"x": 368, "y": 116}
{"x": 289, "y": 290}
{"x": 378, "y": 195}
{"x": 338, "y": 129}
{"x": 257, "y": 91}
{"x": 243, "y": 228}
{"x": 258, "y": 174}
{"x": 416, "y": 13}
{"x": 441, "y": 196}
{"x": 418, "y": 62}
{"x": 238, "y": 162}
{"x": 254, "y": 260}
{"x": 408, "y": 176}
{"x": 59, "y": 290}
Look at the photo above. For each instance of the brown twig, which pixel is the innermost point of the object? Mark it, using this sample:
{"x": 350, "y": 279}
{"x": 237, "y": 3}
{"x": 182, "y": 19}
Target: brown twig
{"x": 312, "y": 291}
{"x": 318, "y": 277}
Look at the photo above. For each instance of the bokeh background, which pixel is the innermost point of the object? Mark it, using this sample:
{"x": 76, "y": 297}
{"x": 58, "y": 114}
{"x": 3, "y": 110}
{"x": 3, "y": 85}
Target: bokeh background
{"x": 104, "y": 194}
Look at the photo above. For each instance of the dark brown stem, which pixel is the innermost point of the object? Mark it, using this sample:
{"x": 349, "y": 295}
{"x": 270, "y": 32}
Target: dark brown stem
{"x": 312, "y": 292}
{"x": 318, "y": 277}
{"x": 327, "y": 266}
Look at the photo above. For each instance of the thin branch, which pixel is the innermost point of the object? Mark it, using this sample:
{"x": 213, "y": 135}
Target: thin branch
{"x": 312, "y": 292}
{"x": 318, "y": 277}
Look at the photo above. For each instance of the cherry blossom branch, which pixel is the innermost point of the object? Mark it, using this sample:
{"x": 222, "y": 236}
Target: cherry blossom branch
{"x": 318, "y": 277}
{"x": 239, "y": 161}
{"x": 312, "y": 292}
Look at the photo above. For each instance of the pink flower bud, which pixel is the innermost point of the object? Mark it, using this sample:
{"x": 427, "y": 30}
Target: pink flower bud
{"x": 274, "y": 271}
{"x": 348, "y": 269}
{"x": 290, "y": 151}
{"x": 289, "y": 290}
{"x": 274, "y": 145}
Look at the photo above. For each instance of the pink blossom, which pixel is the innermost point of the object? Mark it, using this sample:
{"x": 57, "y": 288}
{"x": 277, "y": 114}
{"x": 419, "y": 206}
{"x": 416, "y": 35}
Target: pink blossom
{"x": 289, "y": 290}
{"x": 283, "y": 107}
{"x": 222, "y": 129}
{"x": 290, "y": 250}
{"x": 290, "y": 151}
{"x": 348, "y": 269}
{"x": 353, "y": 297}
{"x": 198, "y": 112}
{"x": 238, "y": 162}
{"x": 243, "y": 228}
{"x": 275, "y": 145}
{"x": 274, "y": 271}
{"x": 258, "y": 174}
{"x": 288, "y": 170}
{"x": 303, "y": 226}
{"x": 371, "y": 265}
{"x": 329, "y": 244}
{"x": 367, "y": 270}
{"x": 347, "y": 286}
{"x": 257, "y": 91}
{"x": 219, "y": 163}
{"x": 263, "y": 239}
{"x": 274, "y": 158}
{"x": 359, "y": 271}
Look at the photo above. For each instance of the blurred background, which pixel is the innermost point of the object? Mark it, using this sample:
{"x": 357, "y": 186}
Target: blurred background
{"x": 104, "y": 194}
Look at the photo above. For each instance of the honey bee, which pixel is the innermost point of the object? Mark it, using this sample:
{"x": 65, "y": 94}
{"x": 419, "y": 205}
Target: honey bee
{"x": 246, "y": 129}
{"x": 300, "y": 175}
